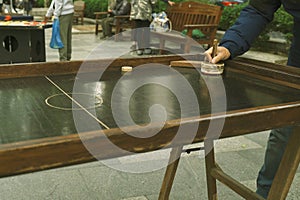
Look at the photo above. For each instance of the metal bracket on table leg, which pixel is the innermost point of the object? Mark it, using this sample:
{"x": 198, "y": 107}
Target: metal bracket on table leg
{"x": 189, "y": 150}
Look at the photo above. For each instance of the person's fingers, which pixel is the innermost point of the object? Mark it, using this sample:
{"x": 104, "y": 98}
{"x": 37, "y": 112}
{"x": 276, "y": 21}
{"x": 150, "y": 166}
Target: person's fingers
{"x": 217, "y": 58}
{"x": 222, "y": 54}
{"x": 208, "y": 53}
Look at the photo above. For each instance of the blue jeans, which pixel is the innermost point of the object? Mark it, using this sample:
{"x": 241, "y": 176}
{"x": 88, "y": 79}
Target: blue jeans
{"x": 275, "y": 148}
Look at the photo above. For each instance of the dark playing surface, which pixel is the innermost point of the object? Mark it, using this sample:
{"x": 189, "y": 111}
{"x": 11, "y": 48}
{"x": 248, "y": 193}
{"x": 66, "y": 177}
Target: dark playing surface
{"x": 25, "y": 114}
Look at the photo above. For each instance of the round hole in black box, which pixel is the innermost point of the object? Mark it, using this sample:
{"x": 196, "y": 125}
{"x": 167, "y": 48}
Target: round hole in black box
{"x": 10, "y": 43}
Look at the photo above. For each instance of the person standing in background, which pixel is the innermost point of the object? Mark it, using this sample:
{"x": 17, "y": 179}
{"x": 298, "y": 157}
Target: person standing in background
{"x": 63, "y": 10}
{"x": 9, "y": 6}
{"x": 27, "y": 4}
{"x": 141, "y": 14}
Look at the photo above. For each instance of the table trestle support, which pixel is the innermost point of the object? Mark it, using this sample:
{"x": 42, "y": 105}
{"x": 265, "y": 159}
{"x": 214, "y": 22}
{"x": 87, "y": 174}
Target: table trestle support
{"x": 214, "y": 172}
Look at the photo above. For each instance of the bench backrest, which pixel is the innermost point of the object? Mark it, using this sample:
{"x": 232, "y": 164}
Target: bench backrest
{"x": 191, "y": 12}
{"x": 79, "y": 6}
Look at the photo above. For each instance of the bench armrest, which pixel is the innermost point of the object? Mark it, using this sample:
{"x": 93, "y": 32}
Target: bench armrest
{"x": 193, "y": 26}
{"x": 98, "y": 14}
{"x": 122, "y": 17}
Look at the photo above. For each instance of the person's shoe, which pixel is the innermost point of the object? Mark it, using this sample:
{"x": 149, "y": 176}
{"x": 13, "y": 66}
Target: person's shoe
{"x": 139, "y": 52}
{"x": 147, "y": 51}
{"x": 102, "y": 37}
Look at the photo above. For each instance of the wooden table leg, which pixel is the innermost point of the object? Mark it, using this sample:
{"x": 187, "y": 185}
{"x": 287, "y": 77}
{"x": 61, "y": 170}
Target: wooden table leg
{"x": 170, "y": 173}
{"x": 287, "y": 168}
{"x": 96, "y": 28}
{"x": 210, "y": 164}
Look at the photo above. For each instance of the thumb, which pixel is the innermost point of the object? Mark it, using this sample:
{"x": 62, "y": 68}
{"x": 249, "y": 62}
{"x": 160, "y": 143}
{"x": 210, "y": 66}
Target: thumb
{"x": 217, "y": 58}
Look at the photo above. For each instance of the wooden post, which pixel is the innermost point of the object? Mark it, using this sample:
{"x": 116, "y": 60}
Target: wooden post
{"x": 170, "y": 173}
{"x": 210, "y": 164}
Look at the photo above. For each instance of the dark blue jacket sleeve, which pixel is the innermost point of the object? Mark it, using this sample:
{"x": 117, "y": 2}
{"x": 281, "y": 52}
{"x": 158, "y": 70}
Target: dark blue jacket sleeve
{"x": 251, "y": 22}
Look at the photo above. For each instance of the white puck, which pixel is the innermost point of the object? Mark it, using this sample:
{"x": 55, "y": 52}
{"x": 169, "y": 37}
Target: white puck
{"x": 126, "y": 68}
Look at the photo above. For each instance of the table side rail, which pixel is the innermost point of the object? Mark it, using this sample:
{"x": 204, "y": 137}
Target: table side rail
{"x": 280, "y": 74}
{"x": 40, "y": 154}
{"x": 72, "y": 67}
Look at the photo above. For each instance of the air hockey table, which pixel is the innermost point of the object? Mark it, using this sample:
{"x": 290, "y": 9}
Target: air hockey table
{"x": 22, "y": 41}
{"x": 64, "y": 113}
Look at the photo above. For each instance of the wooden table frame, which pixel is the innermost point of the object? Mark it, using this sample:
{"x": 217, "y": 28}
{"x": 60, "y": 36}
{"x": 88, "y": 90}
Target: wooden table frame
{"x": 41, "y": 154}
{"x": 288, "y": 165}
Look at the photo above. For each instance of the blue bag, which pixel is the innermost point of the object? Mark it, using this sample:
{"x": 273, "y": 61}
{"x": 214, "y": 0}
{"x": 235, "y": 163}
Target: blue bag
{"x": 56, "y": 42}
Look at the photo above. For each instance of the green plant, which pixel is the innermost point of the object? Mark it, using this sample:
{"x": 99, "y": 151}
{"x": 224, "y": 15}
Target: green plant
{"x": 229, "y": 16}
{"x": 39, "y": 3}
{"x": 282, "y": 22}
{"x": 92, "y": 6}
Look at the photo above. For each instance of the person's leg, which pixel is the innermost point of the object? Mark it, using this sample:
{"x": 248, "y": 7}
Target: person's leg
{"x": 275, "y": 148}
{"x": 133, "y": 37}
{"x": 103, "y": 22}
{"x": 106, "y": 26}
{"x": 29, "y": 12}
{"x": 7, "y": 8}
{"x": 138, "y": 36}
{"x": 109, "y": 27}
{"x": 69, "y": 36}
{"x": 143, "y": 34}
{"x": 27, "y": 7}
{"x": 14, "y": 7}
{"x": 146, "y": 25}
{"x": 64, "y": 21}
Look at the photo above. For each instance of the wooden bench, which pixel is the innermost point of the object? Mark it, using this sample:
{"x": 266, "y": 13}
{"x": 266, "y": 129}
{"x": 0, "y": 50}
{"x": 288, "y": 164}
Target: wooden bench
{"x": 79, "y": 7}
{"x": 121, "y": 22}
{"x": 190, "y": 15}
{"x": 98, "y": 18}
